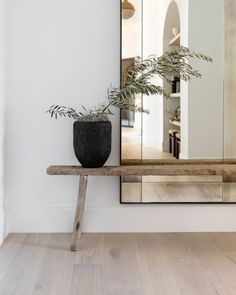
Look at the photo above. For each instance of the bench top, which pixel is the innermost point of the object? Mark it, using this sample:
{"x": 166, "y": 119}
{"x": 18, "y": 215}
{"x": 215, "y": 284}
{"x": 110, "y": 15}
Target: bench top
{"x": 168, "y": 169}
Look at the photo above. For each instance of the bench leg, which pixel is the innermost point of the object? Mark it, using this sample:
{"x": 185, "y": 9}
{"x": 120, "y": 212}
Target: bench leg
{"x": 79, "y": 212}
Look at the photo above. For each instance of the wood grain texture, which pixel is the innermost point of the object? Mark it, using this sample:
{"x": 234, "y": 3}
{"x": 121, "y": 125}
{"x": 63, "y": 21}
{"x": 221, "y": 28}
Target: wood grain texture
{"x": 229, "y": 192}
{"x": 79, "y": 212}
{"x": 57, "y": 266}
{"x": 24, "y": 268}
{"x": 182, "y": 192}
{"x": 119, "y": 264}
{"x": 8, "y": 251}
{"x": 160, "y": 169}
{"x": 131, "y": 192}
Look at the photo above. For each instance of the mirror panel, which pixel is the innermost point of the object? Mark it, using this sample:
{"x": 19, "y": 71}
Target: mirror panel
{"x": 229, "y": 97}
{"x": 131, "y": 123}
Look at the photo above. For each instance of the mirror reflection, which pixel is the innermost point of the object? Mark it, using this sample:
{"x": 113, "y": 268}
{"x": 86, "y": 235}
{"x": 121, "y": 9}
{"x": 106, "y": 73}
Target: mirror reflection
{"x": 196, "y": 122}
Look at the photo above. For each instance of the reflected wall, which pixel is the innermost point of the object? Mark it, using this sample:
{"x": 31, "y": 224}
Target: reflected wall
{"x": 229, "y": 96}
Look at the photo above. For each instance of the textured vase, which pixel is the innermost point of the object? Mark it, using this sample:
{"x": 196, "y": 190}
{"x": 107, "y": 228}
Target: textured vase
{"x": 92, "y": 142}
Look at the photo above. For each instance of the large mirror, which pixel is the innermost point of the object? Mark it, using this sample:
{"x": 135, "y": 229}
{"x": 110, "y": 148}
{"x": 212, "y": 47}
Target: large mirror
{"x": 198, "y": 121}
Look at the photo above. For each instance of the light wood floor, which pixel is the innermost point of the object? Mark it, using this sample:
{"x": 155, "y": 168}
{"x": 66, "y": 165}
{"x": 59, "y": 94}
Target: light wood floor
{"x": 132, "y": 147}
{"x": 119, "y": 264}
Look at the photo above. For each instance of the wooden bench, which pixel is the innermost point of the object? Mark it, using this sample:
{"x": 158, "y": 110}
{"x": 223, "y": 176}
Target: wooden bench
{"x": 162, "y": 168}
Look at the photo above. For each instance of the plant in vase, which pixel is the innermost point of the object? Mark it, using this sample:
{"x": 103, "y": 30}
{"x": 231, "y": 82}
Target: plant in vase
{"x": 92, "y": 127}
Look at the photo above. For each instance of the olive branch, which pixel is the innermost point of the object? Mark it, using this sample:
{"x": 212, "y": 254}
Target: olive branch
{"x": 138, "y": 81}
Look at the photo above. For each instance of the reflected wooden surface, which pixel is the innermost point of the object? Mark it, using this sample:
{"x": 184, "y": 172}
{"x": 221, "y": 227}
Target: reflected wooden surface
{"x": 182, "y": 192}
{"x": 175, "y": 162}
{"x": 172, "y": 192}
{"x": 229, "y": 193}
{"x": 132, "y": 192}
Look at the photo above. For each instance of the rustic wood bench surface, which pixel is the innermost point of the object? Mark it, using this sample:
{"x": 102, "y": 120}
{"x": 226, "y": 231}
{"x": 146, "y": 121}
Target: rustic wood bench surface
{"x": 206, "y": 168}
{"x": 162, "y": 168}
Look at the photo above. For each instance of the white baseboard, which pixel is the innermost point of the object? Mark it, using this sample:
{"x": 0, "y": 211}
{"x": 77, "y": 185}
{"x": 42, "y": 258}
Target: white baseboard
{"x": 123, "y": 218}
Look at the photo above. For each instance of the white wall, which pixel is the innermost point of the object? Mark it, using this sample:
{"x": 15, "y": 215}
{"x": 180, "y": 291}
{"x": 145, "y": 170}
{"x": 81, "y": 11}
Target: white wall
{"x": 59, "y": 51}
{"x": 155, "y": 13}
{"x": 171, "y": 19}
{"x": 132, "y": 32}
{"x": 206, "y": 95}
{"x": 2, "y": 115}
{"x": 153, "y": 44}
{"x": 67, "y": 51}
{"x": 132, "y": 47}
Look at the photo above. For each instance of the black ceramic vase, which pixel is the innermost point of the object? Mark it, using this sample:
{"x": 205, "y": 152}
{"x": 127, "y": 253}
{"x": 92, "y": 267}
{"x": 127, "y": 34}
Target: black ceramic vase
{"x": 92, "y": 142}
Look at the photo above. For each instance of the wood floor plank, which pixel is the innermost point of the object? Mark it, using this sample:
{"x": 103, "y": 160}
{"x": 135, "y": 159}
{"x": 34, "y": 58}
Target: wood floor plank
{"x": 207, "y": 252}
{"x": 22, "y": 272}
{"x": 87, "y": 280}
{"x": 192, "y": 274}
{"x": 8, "y": 251}
{"x": 226, "y": 242}
{"x": 155, "y": 267}
{"x": 121, "y": 269}
{"x": 222, "y": 261}
{"x": 112, "y": 263}
{"x": 91, "y": 250}
{"x": 126, "y": 292}
{"x": 56, "y": 272}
